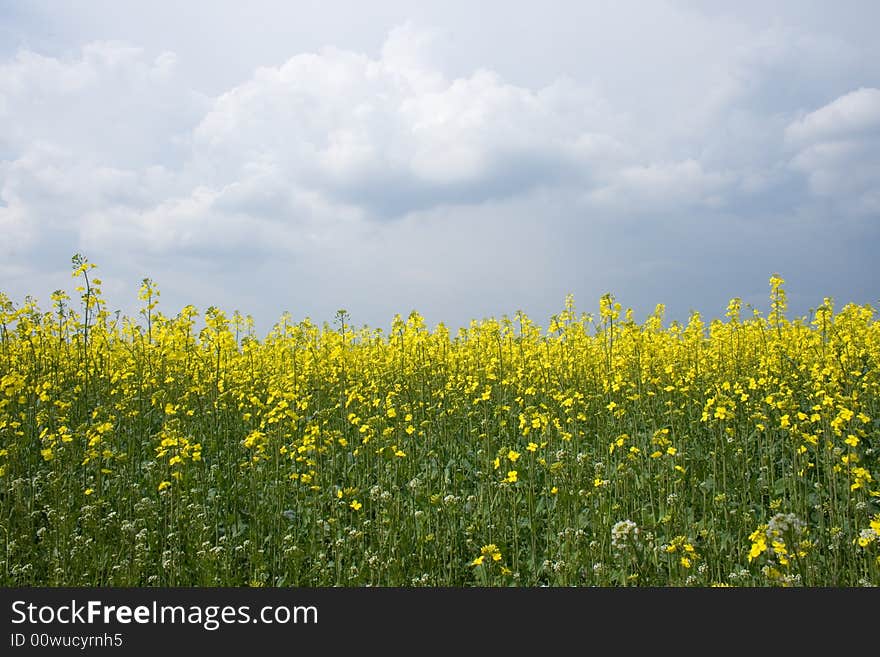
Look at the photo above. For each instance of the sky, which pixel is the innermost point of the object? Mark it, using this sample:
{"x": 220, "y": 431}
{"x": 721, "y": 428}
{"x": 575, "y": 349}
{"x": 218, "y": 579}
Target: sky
{"x": 461, "y": 159}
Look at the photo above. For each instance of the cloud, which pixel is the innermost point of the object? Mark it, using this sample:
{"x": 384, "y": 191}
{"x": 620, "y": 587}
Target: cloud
{"x": 416, "y": 169}
{"x": 853, "y": 115}
{"x": 103, "y": 129}
{"x": 837, "y": 148}
{"x": 324, "y": 140}
{"x": 248, "y": 219}
{"x": 334, "y": 139}
{"x": 664, "y": 186}
{"x": 109, "y": 103}
{"x": 392, "y": 136}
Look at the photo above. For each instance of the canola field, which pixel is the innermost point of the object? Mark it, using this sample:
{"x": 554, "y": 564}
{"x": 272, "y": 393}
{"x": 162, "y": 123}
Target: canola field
{"x": 184, "y": 450}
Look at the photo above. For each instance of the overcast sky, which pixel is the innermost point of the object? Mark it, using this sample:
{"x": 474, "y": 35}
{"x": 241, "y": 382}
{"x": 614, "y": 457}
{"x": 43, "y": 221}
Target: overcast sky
{"x": 462, "y": 159}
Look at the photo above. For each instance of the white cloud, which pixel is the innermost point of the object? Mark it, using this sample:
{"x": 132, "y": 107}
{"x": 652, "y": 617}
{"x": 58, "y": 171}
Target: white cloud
{"x": 177, "y": 225}
{"x": 664, "y": 186}
{"x": 110, "y": 103}
{"x": 853, "y": 115}
{"x": 407, "y": 53}
{"x": 246, "y": 219}
{"x": 837, "y": 148}
{"x": 15, "y": 228}
{"x": 357, "y": 128}
{"x": 142, "y": 160}
{"x": 449, "y": 165}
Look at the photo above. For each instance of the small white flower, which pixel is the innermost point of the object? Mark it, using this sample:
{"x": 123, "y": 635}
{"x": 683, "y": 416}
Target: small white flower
{"x": 624, "y": 533}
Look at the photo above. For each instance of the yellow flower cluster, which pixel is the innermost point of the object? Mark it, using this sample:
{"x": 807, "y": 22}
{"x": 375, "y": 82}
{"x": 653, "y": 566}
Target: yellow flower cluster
{"x": 691, "y": 428}
{"x": 682, "y": 547}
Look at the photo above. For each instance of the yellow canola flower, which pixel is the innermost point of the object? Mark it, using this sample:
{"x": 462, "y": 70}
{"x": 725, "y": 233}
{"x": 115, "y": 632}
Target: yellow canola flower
{"x": 489, "y": 551}
{"x": 759, "y": 546}
{"x": 104, "y": 400}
